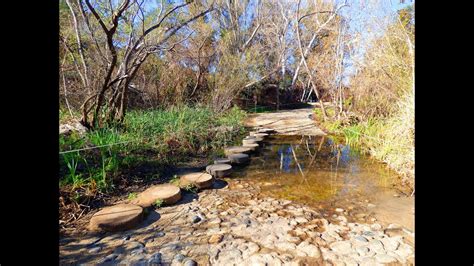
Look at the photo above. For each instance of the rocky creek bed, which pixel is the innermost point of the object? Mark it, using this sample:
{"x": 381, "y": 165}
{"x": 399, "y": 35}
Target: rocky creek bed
{"x": 232, "y": 224}
{"x": 343, "y": 213}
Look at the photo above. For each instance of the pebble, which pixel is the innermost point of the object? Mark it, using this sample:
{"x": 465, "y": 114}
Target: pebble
{"x": 376, "y": 246}
{"x": 342, "y": 247}
{"x": 362, "y": 250}
{"x": 342, "y": 219}
{"x": 137, "y": 251}
{"x": 189, "y": 262}
{"x": 339, "y": 210}
{"x": 368, "y": 233}
{"x": 301, "y": 220}
{"x": 155, "y": 259}
{"x": 94, "y": 250}
{"x": 394, "y": 226}
{"x": 196, "y": 219}
{"x": 309, "y": 249}
{"x": 370, "y": 205}
{"x": 215, "y": 221}
{"x": 214, "y": 239}
{"x": 110, "y": 257}
{"x": 384, "y": 258}
{"x": 179, "y": 257}
{"x": 361, "y": 238}
{"x": 390, "y": 244}
{"x": 375, "y": 227}
{"x": 160, "y": 234}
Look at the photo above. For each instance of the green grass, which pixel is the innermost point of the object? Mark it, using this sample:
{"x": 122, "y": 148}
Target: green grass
{"x": 159, "y": 137}
{"x": 158, "y": 203}
{"x": 190, "y": 188}
{"x": 388, "y": 139}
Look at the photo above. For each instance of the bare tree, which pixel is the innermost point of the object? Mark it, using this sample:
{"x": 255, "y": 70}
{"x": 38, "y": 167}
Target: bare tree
{"x": 308, "y": 48}
{"x": 130, "y": 39}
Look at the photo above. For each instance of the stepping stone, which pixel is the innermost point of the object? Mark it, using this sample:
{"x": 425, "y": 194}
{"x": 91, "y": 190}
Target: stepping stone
{"x": 168, "y": 193}
{"x": 236, "y": 149}
{"x": 253, "y": 138}
{"x": 239, "y": 158}
{"x": 222, "y": 161}
{"x": 119, "y": 217}
{"x": 249, "y": 141}
{"x": 253, "y": 146}
{"x": 262, "y": 135}
{"x": 219, "y": 170}
{"x": 266, "y": 130}
{"x": 200, "y": 180}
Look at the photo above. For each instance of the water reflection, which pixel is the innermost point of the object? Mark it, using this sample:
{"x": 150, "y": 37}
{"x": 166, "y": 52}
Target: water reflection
{"x": 314, "y": 169}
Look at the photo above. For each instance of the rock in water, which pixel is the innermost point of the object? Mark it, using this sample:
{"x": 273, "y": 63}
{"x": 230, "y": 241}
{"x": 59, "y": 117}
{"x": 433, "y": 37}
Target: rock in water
{"x": 219, "y": 170}
{"x": 236, "y": 149}
{"x": 222, "y": 161}
{"x": 262, "y": 135}
{"x": 116, "y": 218}
{"x": 239, "y": 158}
{"x": 248, "y": 141}
{"x": 200, "y": 180}
{"x": 266, "y": 130}
{"x": 167, "y": 193}
{"x": 253, "y": 138}
{"x": 253, "y": 146}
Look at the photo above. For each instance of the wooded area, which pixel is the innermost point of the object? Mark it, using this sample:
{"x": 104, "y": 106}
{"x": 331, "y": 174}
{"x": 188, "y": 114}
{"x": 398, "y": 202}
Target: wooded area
{"x": 224, "y": 132}
{"x": 116, "y": 55}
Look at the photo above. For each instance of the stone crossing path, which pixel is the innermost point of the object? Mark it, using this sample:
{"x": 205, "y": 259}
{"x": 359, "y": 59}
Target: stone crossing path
{"x": 229, "y": 224}
{"x": 287, "y": 122}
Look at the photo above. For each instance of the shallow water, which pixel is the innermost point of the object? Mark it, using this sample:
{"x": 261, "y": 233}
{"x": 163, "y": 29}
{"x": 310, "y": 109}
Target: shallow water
{"x": 321, "y": 172}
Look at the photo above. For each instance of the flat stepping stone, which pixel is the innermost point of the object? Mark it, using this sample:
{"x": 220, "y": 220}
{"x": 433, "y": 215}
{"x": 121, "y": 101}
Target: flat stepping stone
{"x": 253, "y": 146}
{"x": 115, "y": 218}
{"x": 239, "y": 158}
{"x": 222, "y": 161}
{"x": 262, "y": 135}
{"x": 266, "y": 130}
{"x": 236, "y": 149}
{"x": 256, "y": 139}
{"x": 200, "y": 180}
{"x": 167, "y": 193}
{"x": 219, "y": 170}
{"x": 249, "y": 141}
